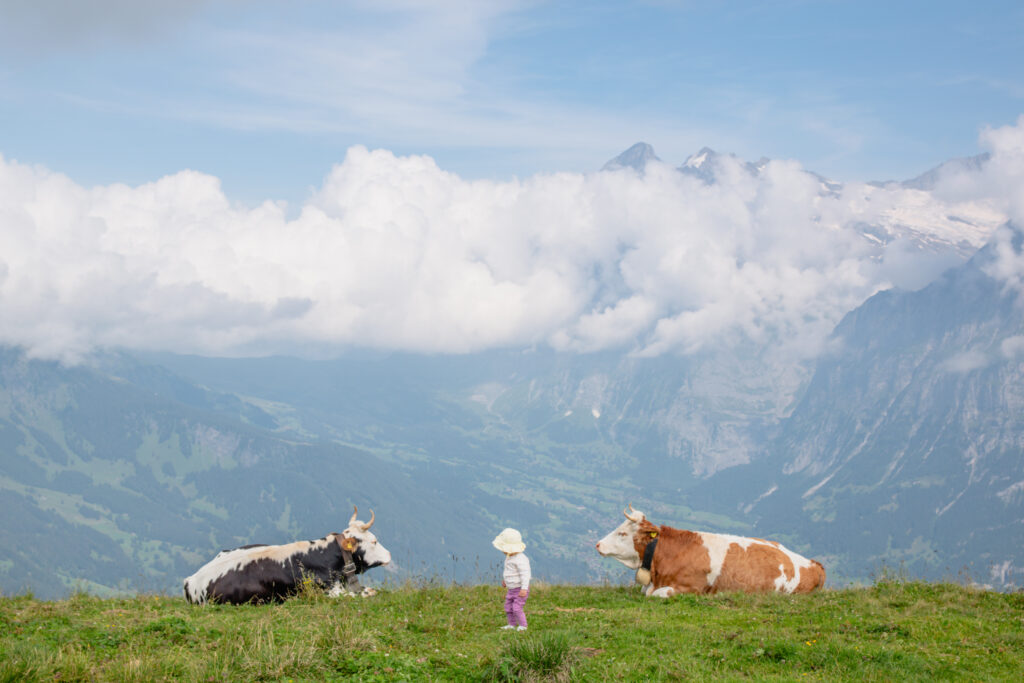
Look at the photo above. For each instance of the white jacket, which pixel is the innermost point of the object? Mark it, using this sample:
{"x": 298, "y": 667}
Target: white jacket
{"x": 517, "y": 571}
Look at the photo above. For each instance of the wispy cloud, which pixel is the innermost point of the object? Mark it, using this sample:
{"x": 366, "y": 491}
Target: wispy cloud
{"x": 418, "y": 76}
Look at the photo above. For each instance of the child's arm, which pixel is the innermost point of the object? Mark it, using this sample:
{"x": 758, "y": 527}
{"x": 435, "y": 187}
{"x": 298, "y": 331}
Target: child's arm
{"x": 524, "y": 575}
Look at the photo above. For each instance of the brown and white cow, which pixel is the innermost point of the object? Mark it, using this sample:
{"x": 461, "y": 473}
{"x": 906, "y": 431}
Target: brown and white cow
{"x": 271, "y": 573}
{"x": 682, "y": 561}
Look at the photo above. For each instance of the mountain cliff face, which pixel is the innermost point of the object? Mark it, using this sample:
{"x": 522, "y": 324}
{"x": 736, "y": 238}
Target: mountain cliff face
{"x": 908, "y": 445}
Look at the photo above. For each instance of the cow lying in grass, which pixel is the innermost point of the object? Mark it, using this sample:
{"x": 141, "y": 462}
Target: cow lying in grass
{"x": 670, "y": 561}
{"x": 271, "y": 573}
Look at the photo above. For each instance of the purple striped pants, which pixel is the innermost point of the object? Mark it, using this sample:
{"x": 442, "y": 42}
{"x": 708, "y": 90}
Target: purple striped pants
{"x": 514, "y": 607}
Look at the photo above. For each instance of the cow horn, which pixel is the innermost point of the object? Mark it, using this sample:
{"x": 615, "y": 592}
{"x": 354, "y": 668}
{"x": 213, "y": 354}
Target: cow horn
{"x": 366, "y": 527}
{"x": 632, "y": 514}
{"x": 355, "y": 511}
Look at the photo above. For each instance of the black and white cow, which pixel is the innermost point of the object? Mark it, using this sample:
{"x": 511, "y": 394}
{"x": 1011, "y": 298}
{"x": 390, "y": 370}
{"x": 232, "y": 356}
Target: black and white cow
{"x": 266, "y": 573}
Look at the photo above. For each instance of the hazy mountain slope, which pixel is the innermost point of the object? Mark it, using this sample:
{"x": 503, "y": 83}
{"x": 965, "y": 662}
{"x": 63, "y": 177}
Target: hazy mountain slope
{"x": 107, "y": 483}
{"x": 680, "y": 416}
{"x": 908, "y": 444}
{"x": 133, "y": 461}
{"x": 930, "y": 178}
{"x": 561, "y": 442}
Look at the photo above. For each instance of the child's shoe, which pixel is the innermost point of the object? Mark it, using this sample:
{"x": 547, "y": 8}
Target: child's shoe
{"x": 507, "y": 627}
{"x": 520, "y": 628}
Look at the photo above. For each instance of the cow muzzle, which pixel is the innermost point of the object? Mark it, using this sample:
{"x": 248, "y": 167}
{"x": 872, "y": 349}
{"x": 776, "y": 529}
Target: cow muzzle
{"x": 377, "y": 557}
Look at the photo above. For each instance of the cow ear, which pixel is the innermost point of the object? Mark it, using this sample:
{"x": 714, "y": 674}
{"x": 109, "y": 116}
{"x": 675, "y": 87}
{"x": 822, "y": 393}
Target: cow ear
{"x": 347, "y": 543}
{"x": 654, "y": 534}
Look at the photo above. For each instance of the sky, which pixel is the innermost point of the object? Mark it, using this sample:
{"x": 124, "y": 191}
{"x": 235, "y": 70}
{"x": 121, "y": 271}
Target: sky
{"x": 267, "y": 96}
{"x": 229, "y": 177}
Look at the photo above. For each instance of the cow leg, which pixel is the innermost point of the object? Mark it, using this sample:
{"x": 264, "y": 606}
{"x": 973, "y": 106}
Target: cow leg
{"x": 338, "y": 589}
{"x": 663, "y": 592}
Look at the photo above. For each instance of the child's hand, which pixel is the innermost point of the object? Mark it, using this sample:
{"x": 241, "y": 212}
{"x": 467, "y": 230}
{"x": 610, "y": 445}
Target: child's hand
{"x": 522, "y": 592}
{"x": 503, "y": 583}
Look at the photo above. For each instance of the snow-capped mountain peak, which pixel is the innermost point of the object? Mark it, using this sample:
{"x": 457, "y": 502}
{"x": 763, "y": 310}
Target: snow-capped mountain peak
{"x": 636, "y": 157}
{"x": 906, "y": 213}
{"x": 701, "y": 158}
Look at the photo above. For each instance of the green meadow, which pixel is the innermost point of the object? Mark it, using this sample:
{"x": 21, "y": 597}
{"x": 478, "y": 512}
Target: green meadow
{"x": 891, "y": 631}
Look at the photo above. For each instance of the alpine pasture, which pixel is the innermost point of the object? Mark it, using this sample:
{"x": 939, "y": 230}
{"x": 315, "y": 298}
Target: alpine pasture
{"x": 892, "y": 630}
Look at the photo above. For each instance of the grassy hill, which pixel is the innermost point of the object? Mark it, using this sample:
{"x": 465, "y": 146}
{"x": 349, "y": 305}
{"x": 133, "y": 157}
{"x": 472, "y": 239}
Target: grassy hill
{"x": 890, "y": 631}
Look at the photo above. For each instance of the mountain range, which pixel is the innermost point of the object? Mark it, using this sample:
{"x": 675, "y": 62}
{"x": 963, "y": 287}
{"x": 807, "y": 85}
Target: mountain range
{"x": 900, "y": 444}
{"x": 907, "y": 447}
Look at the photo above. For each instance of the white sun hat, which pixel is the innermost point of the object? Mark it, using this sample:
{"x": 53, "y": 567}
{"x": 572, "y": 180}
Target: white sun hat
{"x": 509, "y": 541}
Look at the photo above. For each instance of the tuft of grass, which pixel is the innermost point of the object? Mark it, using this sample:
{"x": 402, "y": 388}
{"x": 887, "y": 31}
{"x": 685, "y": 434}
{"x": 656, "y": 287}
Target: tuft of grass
{"x": 309, "y": 590}
{"x": 536, "y": 657}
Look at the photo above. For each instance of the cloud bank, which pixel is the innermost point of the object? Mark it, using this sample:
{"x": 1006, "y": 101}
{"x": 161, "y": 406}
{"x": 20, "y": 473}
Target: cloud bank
{"x": 396, "y": 253}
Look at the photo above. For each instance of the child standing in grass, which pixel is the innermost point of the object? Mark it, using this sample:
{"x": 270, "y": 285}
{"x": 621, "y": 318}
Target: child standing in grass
{"x": 516, "y": 577}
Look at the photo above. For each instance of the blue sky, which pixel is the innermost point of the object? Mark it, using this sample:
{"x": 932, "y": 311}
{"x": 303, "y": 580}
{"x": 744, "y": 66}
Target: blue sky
{"x": 268, "y": 96}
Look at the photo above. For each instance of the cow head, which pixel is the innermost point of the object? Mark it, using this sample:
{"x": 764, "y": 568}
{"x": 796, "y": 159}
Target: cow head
{"x": 645, "y": 533}
{"x": 619, "y": 543}
{"x": 357, "y": 539}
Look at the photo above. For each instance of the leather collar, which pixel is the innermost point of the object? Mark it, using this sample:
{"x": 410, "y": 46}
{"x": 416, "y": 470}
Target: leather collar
{"x": 649, "y": 554}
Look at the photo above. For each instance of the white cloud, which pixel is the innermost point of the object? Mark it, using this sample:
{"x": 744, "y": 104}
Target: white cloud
{"x": 910, "y": 267}
{"x": 1001, "y": 177}
{"x": 1000, "y": 181}
{"x": 394, "y": 252}
{"x": 1008, "y": 263}
{"x": 965, "y": 362}
{"x": 1012, "y": 347}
